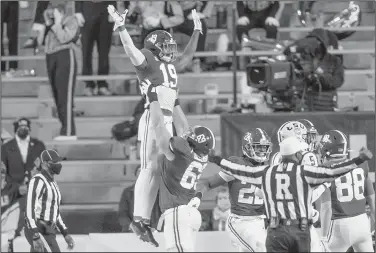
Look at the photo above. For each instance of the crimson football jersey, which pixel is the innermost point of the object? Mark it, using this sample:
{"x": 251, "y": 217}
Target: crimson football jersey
{"x": 163, "y": 76}
{"x": 179, "y": 177}
{"x": 348, "y": 193}
{"x": 244, "y": 202}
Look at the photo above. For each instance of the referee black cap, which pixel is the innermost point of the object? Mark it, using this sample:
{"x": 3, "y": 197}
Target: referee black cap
{"x": 50, "y": 156}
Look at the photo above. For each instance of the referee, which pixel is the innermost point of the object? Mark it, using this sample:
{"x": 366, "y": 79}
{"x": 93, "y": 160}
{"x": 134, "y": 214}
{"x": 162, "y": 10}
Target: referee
{"x": 287, "y": 190}
{"x": 62, "y": 34}
{"x": 43, "y": 207}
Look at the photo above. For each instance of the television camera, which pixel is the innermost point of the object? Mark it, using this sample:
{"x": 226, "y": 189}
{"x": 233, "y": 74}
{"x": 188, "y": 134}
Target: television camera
{"x": 283, "y": 77}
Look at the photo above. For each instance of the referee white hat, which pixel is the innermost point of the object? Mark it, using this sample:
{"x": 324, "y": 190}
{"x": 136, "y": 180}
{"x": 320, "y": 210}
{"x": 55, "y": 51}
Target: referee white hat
{"x": 291, "y": 145}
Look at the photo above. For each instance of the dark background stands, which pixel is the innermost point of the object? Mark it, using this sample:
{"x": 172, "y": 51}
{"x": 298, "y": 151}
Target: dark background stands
{"x": 9, "y": 15}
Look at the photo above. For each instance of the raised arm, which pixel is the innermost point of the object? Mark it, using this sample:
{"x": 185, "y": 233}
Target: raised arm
{"x": 179, "y": 119}
{"x": 319, "y": 175}
{"x": 137, "y": 57}
{"x": 244, "y": 173}
{"x": 35, "y": 188}
{"x": 191, "y": 47}
{"x": 163, "y": 137}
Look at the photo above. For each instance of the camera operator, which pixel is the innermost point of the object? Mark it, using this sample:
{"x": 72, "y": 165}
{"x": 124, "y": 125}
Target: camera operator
{"x": 321, "y": 73}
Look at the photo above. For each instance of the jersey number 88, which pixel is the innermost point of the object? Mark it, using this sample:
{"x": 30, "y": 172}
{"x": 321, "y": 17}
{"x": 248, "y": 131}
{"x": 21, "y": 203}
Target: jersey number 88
{"x": 192, "y": 175}
{"x": 352, "y": 187}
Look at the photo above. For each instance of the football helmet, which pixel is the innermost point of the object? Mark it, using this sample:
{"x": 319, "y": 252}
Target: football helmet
{"x": 257, "y": 145}
{"x": 333, "y": 144}
{"x": 312, "y": 133}
{"x": 162, "y": 45}
{"x": 292, "y": 128}
{"x": 201, "y": 139}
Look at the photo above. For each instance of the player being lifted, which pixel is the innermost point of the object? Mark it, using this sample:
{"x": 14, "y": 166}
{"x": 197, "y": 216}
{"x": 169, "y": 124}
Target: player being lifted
{"x": 180, "y": 165}
{"x": 343, "y": 209}
{"x": 246, "y": 221}
{"x": 155, "y": 65}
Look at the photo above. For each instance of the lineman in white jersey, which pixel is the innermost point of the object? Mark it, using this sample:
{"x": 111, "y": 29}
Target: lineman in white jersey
{"x": 299, "y": 130}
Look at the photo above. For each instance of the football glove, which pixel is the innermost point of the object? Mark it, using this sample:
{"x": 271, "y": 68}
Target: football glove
{"x": 119, "y": 19}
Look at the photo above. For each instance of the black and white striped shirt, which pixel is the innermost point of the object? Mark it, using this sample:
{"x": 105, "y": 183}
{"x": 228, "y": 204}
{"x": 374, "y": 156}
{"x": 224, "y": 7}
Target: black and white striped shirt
{"x": 43, "y": 202}
{"x": 288, "y": 187}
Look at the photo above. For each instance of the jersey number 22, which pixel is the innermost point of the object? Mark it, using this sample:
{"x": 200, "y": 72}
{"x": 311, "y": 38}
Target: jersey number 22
{"x": 247, "y": 196}
{"x": 170, "y": 78}
{"x": 191, "y": 175}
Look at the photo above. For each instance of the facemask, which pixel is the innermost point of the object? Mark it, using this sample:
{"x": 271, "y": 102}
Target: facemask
{"x": 55, "y": 168}
{"x": 22, "y": 133}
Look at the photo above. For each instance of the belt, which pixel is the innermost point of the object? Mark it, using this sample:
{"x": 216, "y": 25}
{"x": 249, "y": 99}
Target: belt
{"x": 47, "y": 223}
{"x": 302, "y": 223}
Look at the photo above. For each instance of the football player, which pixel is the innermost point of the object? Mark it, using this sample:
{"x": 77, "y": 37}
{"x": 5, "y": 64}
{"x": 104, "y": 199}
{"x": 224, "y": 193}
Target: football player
{"x": 312, "y": 134}
{"x": 10, "y": 211}
{"x": 343, "y": 209}
{"x": 246, "y": 221}
{"x": 180, "y": 165}
{"x": 156, "y": 64}
{"x": 299, "y": 130}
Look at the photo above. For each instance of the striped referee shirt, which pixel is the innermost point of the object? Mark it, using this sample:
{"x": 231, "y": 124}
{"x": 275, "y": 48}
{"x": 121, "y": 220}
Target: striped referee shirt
{"x": 43, "y": 202}
{"x": 288, "y": 187}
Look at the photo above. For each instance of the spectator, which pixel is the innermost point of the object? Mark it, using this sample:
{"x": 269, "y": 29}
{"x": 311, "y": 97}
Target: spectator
{"x": 62, "y": 34}
{"x": 9, "y": 15}
{"x": 157, "y": 15}
{"x": 38, "y": 27}
{"x": 97, "y": 29}
{"x": 204, "y": 10}
{"x": 10, "y": 211}
{"x": 18, "y": 156}
{"x": 257, "y": 14}
{"x": 221, "y": 211}
{"x": 126, "y": 207}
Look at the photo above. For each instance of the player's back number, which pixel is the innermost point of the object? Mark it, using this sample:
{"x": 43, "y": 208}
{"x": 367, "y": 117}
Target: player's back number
{"x": 350, "y": 186}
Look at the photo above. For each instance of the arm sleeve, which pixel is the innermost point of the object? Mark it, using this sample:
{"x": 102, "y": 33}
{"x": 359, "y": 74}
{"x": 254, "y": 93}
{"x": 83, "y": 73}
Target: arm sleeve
{"x": 335, "y": 79}
{"x": 176, "y": 19}
{"x": 244, "y": 173}
{"x": 317, "y": 192}
{"x": 178, "y": 145}
{"x": 319, "y": 175}
{"x": 67, "y": 33}
{"x": 35, "y": 190}
{"x": 61, "y": 225}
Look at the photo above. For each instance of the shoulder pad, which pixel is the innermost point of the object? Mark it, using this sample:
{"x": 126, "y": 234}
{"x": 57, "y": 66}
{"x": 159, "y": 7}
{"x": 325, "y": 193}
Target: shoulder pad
{"x": 180, "y": 145}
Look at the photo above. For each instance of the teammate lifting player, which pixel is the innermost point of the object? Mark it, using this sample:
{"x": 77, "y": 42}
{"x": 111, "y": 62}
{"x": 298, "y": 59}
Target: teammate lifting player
{"x": 246, "y": 221}
{"x": 343, "y": 209}
{"x": 155, "y": 65}
{"x": 180, "y": 165}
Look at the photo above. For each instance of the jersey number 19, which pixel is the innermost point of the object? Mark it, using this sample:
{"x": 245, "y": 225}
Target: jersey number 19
{"x": 170, "y": 78}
